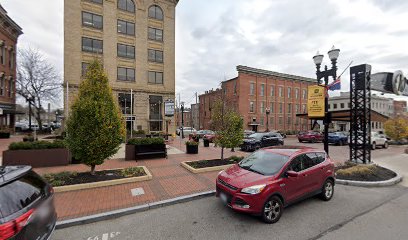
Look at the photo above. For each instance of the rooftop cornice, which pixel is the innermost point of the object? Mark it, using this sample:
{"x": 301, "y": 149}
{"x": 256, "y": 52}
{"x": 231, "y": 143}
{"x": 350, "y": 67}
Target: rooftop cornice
{"x": 3, "y": 14}
{"x": 246, "y": 69}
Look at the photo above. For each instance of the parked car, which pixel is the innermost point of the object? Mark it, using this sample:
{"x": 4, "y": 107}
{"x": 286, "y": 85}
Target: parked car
{"x": 377, "y": 139}
{"x": 201, "y": 133}
{"x": 186, "y": 131}
{"x": 247, "y": 133}
{"x": 210, "y": 136}
{"x": 27, "y": 205}
{"x": 337, "y": 138}
{"x": 310, "y": 136}
{"x": 21, "y": 126}
{"x": 259, "y": 140}
{"x": 270, "y": 179}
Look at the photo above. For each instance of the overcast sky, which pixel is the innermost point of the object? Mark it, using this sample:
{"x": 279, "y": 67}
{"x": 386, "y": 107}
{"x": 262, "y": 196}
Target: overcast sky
{"x": 214, "y": 36}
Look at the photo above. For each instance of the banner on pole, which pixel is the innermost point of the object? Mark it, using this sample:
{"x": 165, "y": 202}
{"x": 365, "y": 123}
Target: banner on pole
{"x": 315, "y": 101}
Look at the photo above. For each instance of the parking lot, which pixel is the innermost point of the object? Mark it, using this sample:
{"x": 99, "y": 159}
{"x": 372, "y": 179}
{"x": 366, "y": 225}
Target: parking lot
{"x": 208, "y": 218}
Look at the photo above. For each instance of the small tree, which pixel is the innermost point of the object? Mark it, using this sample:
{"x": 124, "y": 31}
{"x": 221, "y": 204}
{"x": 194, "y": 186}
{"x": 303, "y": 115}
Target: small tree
{"x": 397, "y": 128}
{"x": 94, "y": 127}
{"x": 228, "y": 125}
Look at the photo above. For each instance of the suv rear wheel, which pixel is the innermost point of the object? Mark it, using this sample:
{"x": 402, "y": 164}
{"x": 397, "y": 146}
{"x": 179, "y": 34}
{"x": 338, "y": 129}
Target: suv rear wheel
{"x": 386, "y": 145}
{"x": 327, "y": 190}
{"x": 373, "y": 146}
{"x": 272, "y": 210}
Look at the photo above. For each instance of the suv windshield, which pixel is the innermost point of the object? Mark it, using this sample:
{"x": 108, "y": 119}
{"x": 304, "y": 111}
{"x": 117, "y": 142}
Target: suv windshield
{"x": 263, "y": 162}
{"x": 257, "y": 136}
{"x": 20, "y": 193}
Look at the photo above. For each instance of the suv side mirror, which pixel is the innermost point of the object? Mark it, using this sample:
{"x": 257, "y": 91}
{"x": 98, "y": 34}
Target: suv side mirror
{"x": 292, "y": 174}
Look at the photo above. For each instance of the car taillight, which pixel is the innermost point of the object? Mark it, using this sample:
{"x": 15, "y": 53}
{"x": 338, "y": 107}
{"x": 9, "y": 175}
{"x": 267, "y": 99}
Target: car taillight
{"x": 9, "y": 229}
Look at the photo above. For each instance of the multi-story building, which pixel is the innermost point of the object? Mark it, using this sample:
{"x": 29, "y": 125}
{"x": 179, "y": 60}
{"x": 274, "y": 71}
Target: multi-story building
{"x": 195, "y": 113}
{"x": 379, "y": 104}
{"x": 187, "y": 119}
{"x": 254, "y": 91}
{"x": 135, "y": 41}
{"x": 9, "y": 33}
{"x": 400, "y": 108}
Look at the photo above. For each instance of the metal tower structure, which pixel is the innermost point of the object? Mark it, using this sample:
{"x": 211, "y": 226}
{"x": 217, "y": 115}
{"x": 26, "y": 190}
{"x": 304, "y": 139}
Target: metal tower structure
{"x": 360, "y": 121}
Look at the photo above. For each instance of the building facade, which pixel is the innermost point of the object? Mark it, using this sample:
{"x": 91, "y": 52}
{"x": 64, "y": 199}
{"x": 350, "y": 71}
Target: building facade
{"x": 9, "y": 33}
{"x": 254, "y": 91}
{"x": 135, "y": 41}
{"x": 382, "y": 105}
{"x": 400, "y": 108}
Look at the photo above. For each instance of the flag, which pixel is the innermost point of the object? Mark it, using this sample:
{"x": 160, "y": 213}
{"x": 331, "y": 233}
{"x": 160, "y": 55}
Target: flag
{"x": 336, "y": 85}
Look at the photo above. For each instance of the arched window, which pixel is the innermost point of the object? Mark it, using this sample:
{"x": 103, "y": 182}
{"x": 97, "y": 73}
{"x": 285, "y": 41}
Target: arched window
{"x": 156, "y": 12}
{"x": 126, "y": 5}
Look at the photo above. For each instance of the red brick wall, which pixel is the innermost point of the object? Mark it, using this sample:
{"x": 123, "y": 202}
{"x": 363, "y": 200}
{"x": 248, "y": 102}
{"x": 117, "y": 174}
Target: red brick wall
{"x": 8, "y": 42}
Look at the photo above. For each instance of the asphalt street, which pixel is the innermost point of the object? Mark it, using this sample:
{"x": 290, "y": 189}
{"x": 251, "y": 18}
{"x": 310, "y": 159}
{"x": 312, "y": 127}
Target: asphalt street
{"x": 353, "y": 213}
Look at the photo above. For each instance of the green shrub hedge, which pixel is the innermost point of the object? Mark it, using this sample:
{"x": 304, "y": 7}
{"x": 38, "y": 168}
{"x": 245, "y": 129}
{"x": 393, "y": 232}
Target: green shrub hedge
{"x": 36, "y": 145}
{"x": 145, "y": 141}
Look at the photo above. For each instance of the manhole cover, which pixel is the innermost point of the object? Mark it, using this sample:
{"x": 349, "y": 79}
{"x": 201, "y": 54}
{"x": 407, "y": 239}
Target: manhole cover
{"x": 137, "y": 191}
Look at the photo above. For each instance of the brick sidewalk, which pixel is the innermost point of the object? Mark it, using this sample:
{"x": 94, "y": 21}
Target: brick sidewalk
{"x": 170, "y": 180}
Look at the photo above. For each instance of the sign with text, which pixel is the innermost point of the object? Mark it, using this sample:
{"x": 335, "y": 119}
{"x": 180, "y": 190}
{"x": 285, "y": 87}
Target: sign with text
{"x": 169, "y": 108}
{"x": 315, "y": 101}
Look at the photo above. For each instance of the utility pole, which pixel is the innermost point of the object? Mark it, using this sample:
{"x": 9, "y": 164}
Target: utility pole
{"x": 182, "y": 120}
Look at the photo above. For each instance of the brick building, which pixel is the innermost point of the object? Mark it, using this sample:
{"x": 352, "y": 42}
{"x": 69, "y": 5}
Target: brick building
{"x": 400, "y": 108}
{"x": 9, "y": 33}
{"x": 254, "y": 91}
{"x": 135, "y": 40}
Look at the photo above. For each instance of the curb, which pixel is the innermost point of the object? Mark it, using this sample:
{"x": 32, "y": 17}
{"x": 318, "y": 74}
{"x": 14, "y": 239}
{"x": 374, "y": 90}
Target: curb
{"x": 127, "y": 211}
{"x": 206, "y": 169}
{"x": 385, "y": 183}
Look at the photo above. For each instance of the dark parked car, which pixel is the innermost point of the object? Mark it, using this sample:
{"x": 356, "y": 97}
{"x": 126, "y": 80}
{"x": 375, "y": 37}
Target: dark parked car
{"x": 27, "y": 204}
{"x": 270, "y": 179}
{"x": 259, "y": 140}
{"x": 338, "y": 138}
{"x": 210, "y": 136}
{"x": 201, "y": 133}
{"x": 310, "y": 136}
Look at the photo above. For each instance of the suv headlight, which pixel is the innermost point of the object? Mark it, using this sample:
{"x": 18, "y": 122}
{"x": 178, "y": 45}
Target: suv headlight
{"x": 254, "y": 189}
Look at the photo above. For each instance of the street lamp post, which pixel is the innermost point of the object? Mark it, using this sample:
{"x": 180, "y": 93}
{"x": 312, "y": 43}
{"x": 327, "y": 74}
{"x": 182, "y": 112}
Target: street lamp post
{"x": 182, "y": 120}
{"x": 267, "y": 111}
{"x": 318, "y": 59}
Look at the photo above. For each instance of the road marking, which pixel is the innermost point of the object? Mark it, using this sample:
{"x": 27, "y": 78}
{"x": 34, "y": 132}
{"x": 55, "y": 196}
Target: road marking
{"x": 105, "y": 236}
{"x": 137, "y": 192}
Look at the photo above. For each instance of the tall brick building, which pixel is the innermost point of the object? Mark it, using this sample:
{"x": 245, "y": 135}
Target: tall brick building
{"x": 9, "y": 33}
{"x": 135, "y": 40}
{"x": 400, "y": 108}
{"x": 254, "y": 91}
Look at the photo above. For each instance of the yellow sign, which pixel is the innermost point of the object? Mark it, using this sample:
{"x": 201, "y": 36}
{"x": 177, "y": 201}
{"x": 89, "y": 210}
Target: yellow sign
{"x": 315, "y": 101}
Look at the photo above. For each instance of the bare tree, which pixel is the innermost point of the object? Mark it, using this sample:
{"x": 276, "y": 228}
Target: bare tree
{"x": 37, "y": 80}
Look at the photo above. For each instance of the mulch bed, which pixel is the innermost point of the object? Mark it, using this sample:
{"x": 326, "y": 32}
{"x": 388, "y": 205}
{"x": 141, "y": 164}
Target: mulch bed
{"x": 377, "y": 173}
{"x": 71, "y": 178}
{"x": 213, "y": 162}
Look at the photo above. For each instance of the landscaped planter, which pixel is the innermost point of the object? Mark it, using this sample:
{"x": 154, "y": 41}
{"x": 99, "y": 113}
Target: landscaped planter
{"x": 37, "y": 157}
{"x": 130, "y": 152}
{"x": 192, "y": 149}
{"x": 210, "y": 165}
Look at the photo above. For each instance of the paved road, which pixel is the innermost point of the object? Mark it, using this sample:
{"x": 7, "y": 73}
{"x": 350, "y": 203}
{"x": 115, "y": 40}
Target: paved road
{"x": 208, "y": 219}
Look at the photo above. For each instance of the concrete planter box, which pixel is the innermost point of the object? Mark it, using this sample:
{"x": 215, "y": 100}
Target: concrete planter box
{"x": 37, "y": 157}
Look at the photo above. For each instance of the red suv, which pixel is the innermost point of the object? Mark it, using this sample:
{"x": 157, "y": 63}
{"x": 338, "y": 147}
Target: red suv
{"x": 310, "y": 136}
{"x": 266, "y": 181}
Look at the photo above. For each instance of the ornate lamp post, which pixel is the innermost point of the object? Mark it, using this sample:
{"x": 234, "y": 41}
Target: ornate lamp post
{"x": 182, "y": 119}
{"x": 267, "y": 111}
{"x": 318, "y": 59}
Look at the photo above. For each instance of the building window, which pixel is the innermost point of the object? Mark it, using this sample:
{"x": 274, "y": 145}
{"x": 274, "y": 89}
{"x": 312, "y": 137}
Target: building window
{"x": 251, "y": 88}
{"x": 126, "y": 74}
{"x": 289, "y": 107}
{"x": 156, "y": 34}
{"x": 349, "y": 105}
{"x": 235, "y": 88}
{"x": 92, "y": 45}
{"x": 280, "y": 107}
{"x": 304, "y": 93}
{"x": 304, "y": 108}
{"x": 335, "y": 106}
{"x": 2, "y": 54}
{"x": 156, "y": 12}
{"x": 262, "y": 90}
{"x": 280, "y": 91}
{"x": 280, "y": 120}
{"x": 126, "y": 51}
{"x": 262, "y": 107}
{"x": 2, "y": 79}
{"x": 297, "y": 108}
{"x": 271, "y": 121}
{"x": 341, "y": 105}
{"x": 156, "y": 77}
{"x": 127, "y": 28}
{"x": 289, "y": 120}
{"x": 155, "y": 55}
{"x": 125, "y": 102}
{"x": 155, "y": 114}
{"x": 272, "y": 108}
{"x": 296, "y": 93}
{"x": 10, "y": 87}
{"x": 251, "y": 107}
{"x": 84, "y": 68}
{"x": 11, "y": 59}
{"x": 272, "y": 91}
{"x": 126, "y": 5}
{"x": 261, "y": 121}
{"x": 289, "y": 92}
{"x": 92, "y": 20}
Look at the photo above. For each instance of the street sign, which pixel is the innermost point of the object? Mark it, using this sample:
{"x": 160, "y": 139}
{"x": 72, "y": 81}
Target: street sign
{"x": 130, "y": 118}
{"x": 169, "y": 108}
{"x": 315, "y": 101}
